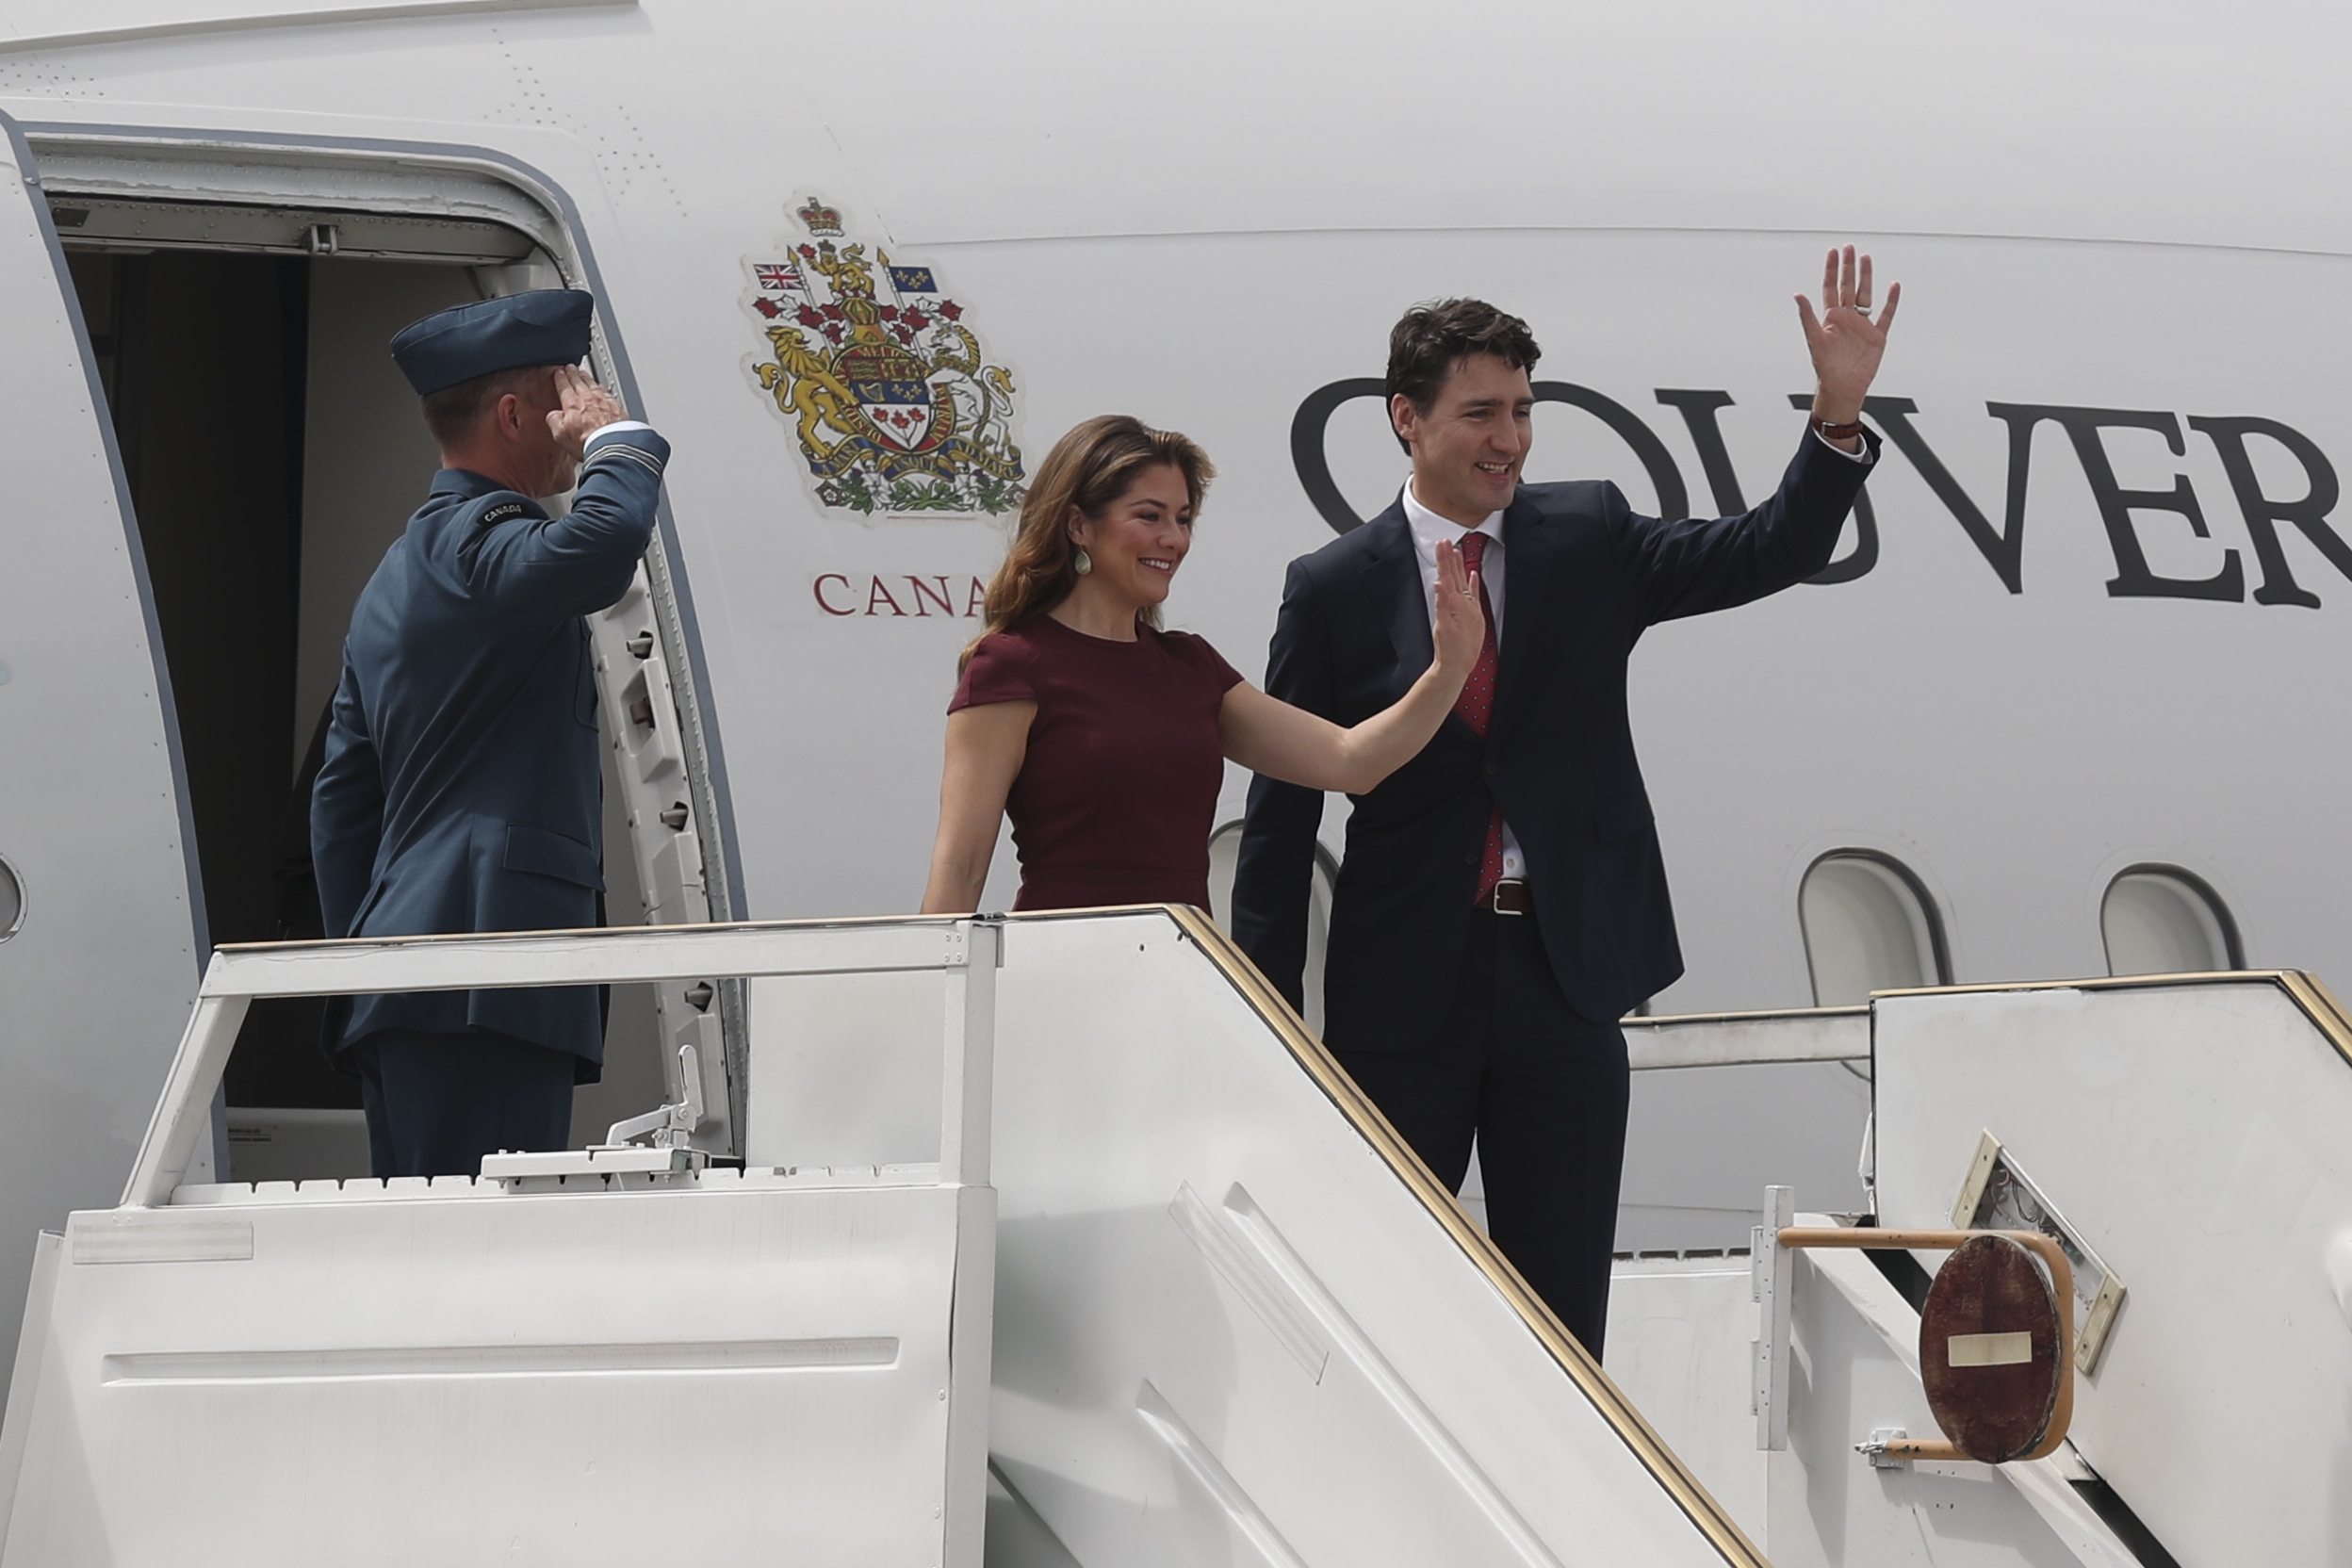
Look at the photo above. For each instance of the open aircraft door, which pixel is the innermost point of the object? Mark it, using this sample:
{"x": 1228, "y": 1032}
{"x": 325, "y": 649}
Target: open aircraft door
{"x": 101, "y": 921}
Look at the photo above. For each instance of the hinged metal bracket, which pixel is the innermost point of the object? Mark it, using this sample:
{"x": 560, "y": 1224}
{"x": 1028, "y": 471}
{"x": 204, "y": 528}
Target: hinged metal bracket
{"x": 1875, "y": 1447}
{"x": 671, "y": 1126}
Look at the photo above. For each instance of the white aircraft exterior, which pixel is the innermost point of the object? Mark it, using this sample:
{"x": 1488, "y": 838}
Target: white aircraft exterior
{"x": 2087, "y": 628}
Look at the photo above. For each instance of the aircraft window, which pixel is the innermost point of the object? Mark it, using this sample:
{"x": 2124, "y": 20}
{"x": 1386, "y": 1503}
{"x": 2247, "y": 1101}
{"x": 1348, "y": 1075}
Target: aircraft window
{"x": 1225, "y": 858}
{"x": 12, "y": 901}
{"x": 2161, "y": 919}
{"x": 1869, "y": 926}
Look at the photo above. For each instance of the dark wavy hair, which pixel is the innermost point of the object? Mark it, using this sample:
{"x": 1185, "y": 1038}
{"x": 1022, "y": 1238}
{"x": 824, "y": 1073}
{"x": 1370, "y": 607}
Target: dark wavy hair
{"x": 1436, "y": 336}
{"x": 1091, "y": 467}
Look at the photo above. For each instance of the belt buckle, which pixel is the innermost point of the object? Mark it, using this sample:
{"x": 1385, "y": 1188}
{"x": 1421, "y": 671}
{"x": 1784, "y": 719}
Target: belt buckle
{"x": 1519, "y": 892}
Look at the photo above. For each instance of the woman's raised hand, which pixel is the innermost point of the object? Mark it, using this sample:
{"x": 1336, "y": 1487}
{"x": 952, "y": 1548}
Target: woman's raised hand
{"x": 1298, "y": 747}
{"x": 1458, "y": 625}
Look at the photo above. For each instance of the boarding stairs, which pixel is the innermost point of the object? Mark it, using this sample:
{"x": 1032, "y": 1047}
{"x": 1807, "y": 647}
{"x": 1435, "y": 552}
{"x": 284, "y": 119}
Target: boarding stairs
{"x": 2180, "y": 1138}
{"x": 1057, "y": 1239}
{"x": 1127, "y": 1273}
{"x": 604, "y": 1357}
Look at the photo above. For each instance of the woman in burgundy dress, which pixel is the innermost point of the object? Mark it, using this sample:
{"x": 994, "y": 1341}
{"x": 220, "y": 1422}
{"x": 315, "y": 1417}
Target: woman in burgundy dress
{"x": 1106, "y": 737}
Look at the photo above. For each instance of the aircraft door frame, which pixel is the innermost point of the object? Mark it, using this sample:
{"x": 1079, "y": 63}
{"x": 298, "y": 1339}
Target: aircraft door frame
{"x": 99, "y": 973}
{"x": 647, "y": 652}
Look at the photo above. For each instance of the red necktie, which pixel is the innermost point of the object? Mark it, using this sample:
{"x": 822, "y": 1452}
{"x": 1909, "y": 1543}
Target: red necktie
{"x": 1476, "y": 708}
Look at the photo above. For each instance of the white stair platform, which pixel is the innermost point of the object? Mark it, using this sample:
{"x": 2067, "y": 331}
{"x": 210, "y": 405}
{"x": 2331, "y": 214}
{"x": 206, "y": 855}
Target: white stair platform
{"x": 576, "y": 1365}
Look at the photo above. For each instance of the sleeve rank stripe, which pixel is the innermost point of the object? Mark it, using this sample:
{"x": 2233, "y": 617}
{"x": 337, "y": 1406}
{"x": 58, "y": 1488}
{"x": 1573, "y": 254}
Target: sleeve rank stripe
{"x": 635, "y": 454}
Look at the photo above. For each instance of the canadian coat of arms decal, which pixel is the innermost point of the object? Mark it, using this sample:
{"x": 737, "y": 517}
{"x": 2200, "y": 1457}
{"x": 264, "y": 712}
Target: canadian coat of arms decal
{"x": 881, "y": 380}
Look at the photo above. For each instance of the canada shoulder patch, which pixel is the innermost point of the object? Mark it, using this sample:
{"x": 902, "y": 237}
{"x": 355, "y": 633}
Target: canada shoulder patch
{"x": 502, "y": 512}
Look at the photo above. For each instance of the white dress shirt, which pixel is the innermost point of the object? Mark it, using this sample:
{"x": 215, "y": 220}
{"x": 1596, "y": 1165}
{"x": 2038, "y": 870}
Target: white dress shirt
{"x": 1428, "y": 528}
{"x": 1861, "y": 454}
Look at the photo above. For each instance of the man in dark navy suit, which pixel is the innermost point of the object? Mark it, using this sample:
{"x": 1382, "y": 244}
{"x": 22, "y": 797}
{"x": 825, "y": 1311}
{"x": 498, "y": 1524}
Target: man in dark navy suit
{"x": 461, "y": 789}
{"x": 1503, "y": 900}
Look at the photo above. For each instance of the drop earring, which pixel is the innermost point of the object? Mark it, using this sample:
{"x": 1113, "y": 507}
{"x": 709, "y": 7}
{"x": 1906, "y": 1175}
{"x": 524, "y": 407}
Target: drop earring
{"x": 1084, "y": 564}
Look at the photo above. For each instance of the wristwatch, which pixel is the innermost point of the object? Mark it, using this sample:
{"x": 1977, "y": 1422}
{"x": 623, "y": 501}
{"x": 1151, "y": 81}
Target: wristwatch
{"x": 1837, "y": 432}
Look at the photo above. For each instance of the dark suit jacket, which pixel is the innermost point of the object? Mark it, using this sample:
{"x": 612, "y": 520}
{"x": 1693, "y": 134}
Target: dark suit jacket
{"x": 1584, "y": 577}
{"x": 461, "y": 789}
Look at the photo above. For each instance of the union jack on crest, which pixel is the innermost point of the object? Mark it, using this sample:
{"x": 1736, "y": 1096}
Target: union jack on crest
{"x": 777, "y": 277}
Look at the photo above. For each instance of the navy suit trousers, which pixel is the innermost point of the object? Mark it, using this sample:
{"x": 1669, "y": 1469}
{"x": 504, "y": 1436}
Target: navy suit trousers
{"x": 437, "y": 1104}
{"x": 1544, "y": 1092}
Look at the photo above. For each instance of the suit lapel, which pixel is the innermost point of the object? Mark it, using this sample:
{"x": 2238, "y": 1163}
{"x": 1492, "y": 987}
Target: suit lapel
{"x": 1391, "y": 580}
{"x": 1531, "y": 549}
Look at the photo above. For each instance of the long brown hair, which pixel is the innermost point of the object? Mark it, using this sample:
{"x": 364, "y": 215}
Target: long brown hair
{"x": 1088, "y": 468}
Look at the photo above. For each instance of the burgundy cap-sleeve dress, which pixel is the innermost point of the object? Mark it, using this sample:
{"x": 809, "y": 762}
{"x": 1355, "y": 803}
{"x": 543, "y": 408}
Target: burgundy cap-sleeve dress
{"x": 1117, "y": 797}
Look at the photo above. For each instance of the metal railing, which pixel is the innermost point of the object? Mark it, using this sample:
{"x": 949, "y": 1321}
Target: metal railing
{"x": 967, "y": 952}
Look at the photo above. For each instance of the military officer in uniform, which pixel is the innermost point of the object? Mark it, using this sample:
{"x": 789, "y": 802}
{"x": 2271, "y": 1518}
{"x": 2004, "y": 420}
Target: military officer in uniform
{"x": 460, "y": 789}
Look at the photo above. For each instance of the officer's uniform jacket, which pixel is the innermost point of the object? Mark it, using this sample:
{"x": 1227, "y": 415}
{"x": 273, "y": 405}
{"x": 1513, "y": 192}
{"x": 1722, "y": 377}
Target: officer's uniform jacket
{"x": 461, "y": 789}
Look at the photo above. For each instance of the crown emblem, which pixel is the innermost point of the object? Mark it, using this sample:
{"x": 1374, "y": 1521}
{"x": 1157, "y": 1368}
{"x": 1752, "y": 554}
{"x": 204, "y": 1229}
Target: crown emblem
{"x": 818, "y": 219}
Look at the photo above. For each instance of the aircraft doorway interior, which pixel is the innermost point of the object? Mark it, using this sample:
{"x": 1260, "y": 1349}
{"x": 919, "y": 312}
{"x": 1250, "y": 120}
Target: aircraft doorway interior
{"x": 272, "y": 452}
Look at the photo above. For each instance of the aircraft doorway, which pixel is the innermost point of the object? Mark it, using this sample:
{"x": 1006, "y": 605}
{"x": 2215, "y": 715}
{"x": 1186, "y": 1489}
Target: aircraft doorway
{"x": 273, "y": 451}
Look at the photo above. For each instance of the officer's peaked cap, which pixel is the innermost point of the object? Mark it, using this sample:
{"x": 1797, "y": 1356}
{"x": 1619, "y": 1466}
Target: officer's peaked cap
{"x": 546, "y": 326}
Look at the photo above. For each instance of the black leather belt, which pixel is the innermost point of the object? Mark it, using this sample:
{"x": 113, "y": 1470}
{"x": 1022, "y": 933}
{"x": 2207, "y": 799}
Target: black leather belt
{"x": 1510, "y": 897}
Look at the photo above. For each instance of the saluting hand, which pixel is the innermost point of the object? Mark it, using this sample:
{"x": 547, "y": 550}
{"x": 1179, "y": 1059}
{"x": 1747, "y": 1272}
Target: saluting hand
{"x": 586, "y": 408}
{"x": 1847, "y": 345}
{"x": 1458, "y": 625}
